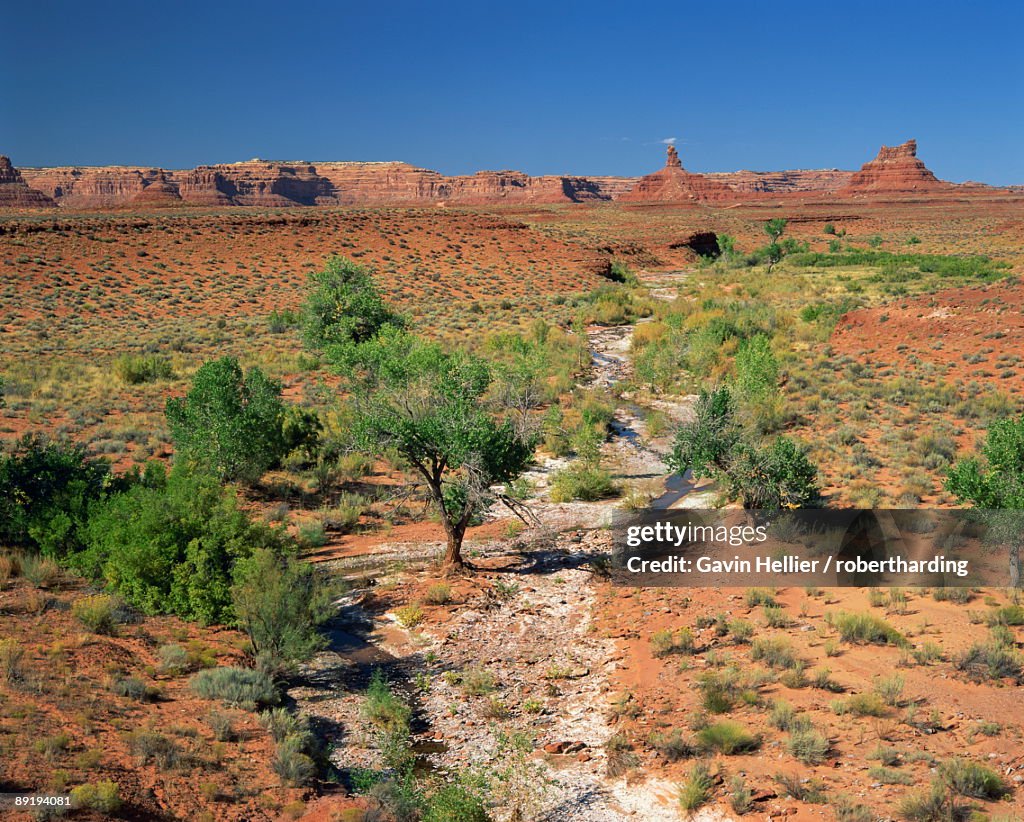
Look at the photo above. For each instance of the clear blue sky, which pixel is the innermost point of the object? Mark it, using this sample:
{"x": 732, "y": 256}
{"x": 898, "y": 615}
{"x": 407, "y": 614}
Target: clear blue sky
{"x": 544, "y": 87}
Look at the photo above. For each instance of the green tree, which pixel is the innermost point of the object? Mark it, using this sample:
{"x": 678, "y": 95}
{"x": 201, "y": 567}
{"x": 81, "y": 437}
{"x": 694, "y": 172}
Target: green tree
{"x": 45, "y": 492}
{"x": 705, "y": 445}
{"x": 229, "y": 424}
{"x": 169, "y": 545}
{"x": 279, "y": 601}
{"x": 430, "y": 407}
{"x": 997, "y": 479}
{"x": 774, "y": 228}
{"x": 344, "y": 308}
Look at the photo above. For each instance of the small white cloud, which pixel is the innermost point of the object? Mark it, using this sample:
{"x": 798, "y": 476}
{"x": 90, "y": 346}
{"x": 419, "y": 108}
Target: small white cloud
{"x": 669, "y": 141}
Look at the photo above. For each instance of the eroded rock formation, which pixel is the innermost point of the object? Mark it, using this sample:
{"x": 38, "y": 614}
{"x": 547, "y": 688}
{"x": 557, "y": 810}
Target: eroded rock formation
{"x": 896, "y": 170}
{"x": 15, "y": 192}
{"x": 675, "y": 184}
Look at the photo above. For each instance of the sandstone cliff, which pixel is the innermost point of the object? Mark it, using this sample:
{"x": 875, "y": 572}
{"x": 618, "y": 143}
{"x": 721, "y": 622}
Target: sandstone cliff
{"x": 896, "y": 170}
{"x": 675, "y": 184}
{"x": 783, "y": 182}
{"x": 15, "y": 192}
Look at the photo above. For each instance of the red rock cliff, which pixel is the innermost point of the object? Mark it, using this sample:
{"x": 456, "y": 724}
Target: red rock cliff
{"x": 896, "y": 170}
{"x": 675, "y": 184}
{"x": 15, "y": 192}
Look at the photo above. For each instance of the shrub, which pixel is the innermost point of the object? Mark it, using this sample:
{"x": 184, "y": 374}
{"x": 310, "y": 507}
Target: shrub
{"x": 846, "y": 810}
{"x": 1007, "y": 615}
{"x": 741, "y": 630}
{"x": 759, "y": 596}
{"x": 666, "y": 642}
{"x": 784, "y": 717}
{"x": 453, "y": 802}
{"x": 280, "y": 602}
{"x": 972, "y": 779}
{"x": 134, "y": 369}
{"x": 696, "y": 789}
{"x": 866, "y": 628}
{"x": 989, "y": 661}
{"x": 221, "y": 725}
{"x": 439, "y": 593}
{"x": 803, "y": 790}
{"x": 866, "y": 705}
{"x": 741, "y": 798}
{"x": 384, "y": 708}
{"x": 292, "y": 764}
{"x": 477, "y": 681}
{"x": 133, "y": 688}
{"x": 889, "y": 776}
{"x": 242, "y": 687}
{"x": 673, "y": 745}
{"x": 775, "y": 652}
{"x": 890, "y": 689}
{"x": 933, "y": 805}
{"x": 169, "y": 545}
{"x": 42, "y": 572}
{"x": 174, "y": 659}
{"x": 409, "y": 616}
{"x": 229, "y": 423}
{"x": 582, "y": 482}
{"x": 776, "y": 617}
{"x": 96, "y": 796}
{"x": 98, "y": 613}
{"x": 11, "y": 655}
{"x": 807, "y": 745}
{"x": 727, "y": 738}
{"x": 153, "y": 748}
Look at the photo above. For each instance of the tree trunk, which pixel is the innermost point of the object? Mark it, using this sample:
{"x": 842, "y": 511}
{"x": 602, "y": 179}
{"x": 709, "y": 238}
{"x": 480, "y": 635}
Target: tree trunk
{"x": 453, "y": 552}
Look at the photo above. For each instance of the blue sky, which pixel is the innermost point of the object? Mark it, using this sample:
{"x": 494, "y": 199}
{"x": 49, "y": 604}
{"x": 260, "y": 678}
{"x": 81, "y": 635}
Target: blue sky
{"x": 543, "y": 87}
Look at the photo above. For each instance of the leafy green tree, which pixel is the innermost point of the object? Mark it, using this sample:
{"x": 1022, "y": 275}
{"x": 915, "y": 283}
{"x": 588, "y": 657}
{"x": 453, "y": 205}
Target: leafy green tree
{"x": 706, "y": 444}
{"x": 995, "y": 483}
{"x": 279, "y": 602}
{"x": 344, "y": 308}
{"x": 430, "y": 407}
{"x": 45, "y": 492}
{"x": 774, "y": 228}
{"x": 169, "y": 545}
{"x": 997, "y": 479}
{"x": 229, "y": 424}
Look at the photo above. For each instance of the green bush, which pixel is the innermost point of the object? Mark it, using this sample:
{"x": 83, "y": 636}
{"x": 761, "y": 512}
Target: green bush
{"x": 229, "y": 423}
{"x": 727, "y": 738}
{"x": 96, "y": 796}
{"x": 241, "y": 687}
{"x": 989, "y": 661}
{"x": 151, "y": 748}
{"x": 453, "y": 802}
{"x": 866, "y": 628}
{"x": 134, "y": 369}
{"x": 695, "y": 791}
{"x": 582, "y": 482}
{"x": 384, "y": 708}
{"x": 292, "y": 764}
{"x": 98, "y": 613}
{"x": 775, "y": 652}
{"x": 170, "y": 546}
{"x": 668, "y": 642}
{"x": 807, "y": 745}
{"x": 279, "y": 601}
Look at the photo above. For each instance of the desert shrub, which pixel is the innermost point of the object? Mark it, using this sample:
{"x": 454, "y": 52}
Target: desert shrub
{"x": 98, "y": 613}
{"x": 42, "y": 572}
{"x": 866, "y": 705}
{"x": 672, "y": 745}
{"x": 45, "y": 492}
{"x": 280, "y": 602}
{"x": 720, "y": 690}
{"x": 453, "y": 802}
{"x": 776, "y": 617}
{"x": 757, "y": 369}
{"x": 221, "y": 725}
{"x": 292, "y": 763}
{"x": 477, "y": 681}
{"x": 1007, "y": 615}
{"x": 727, "y": 738}
{"x": 174, "y": 659}
{"x": 784, "y": 717}
{"x": 439, "y": 593}
{"x": 890, "y": 776}
{"x": 96, "y": 796}
{"x": 409, "y": 616}
{"x": 741, "y": 798}
{"x": 741, "y": 630}
{"x": 846, "y": 810}
{"x": 133, "y": 369}
{"x": 133, "y": 688}
{"x": 11, "y": 655}
{"x": 759, "y": 596}
{"x": 695, "y": 790}
{"x": 580, "y": 481}
{"x": 866, "y": 628}
{"x": 808, "y": 745}
{"x": 229, "y": 423}
{"x": 972, "y": 779}
{"x": 803, "y": 790}
{"x": 383, "y": 707}
{"x": 243, "y": 687}
{"x": 936, "y": 804}
{"x": 666, "y": 642}
{"x": 989, "y": 661}
{"x": 281, "y": 723}
{"x": 890, "y": 689}
{"x": 775, "y": 652}
{"x": 150, "y": 748}
{"x": 169, "y": 545}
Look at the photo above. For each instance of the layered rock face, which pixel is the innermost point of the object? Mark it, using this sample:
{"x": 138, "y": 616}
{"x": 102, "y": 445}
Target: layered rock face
{"x": 15, "y": 192}
{"x": 783, "y": 182}
{"x": 106, "y": 187}
{"x": 158, "y": 192}
{"x": 675, "y": 184}
{"x": 896, "y": 170}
